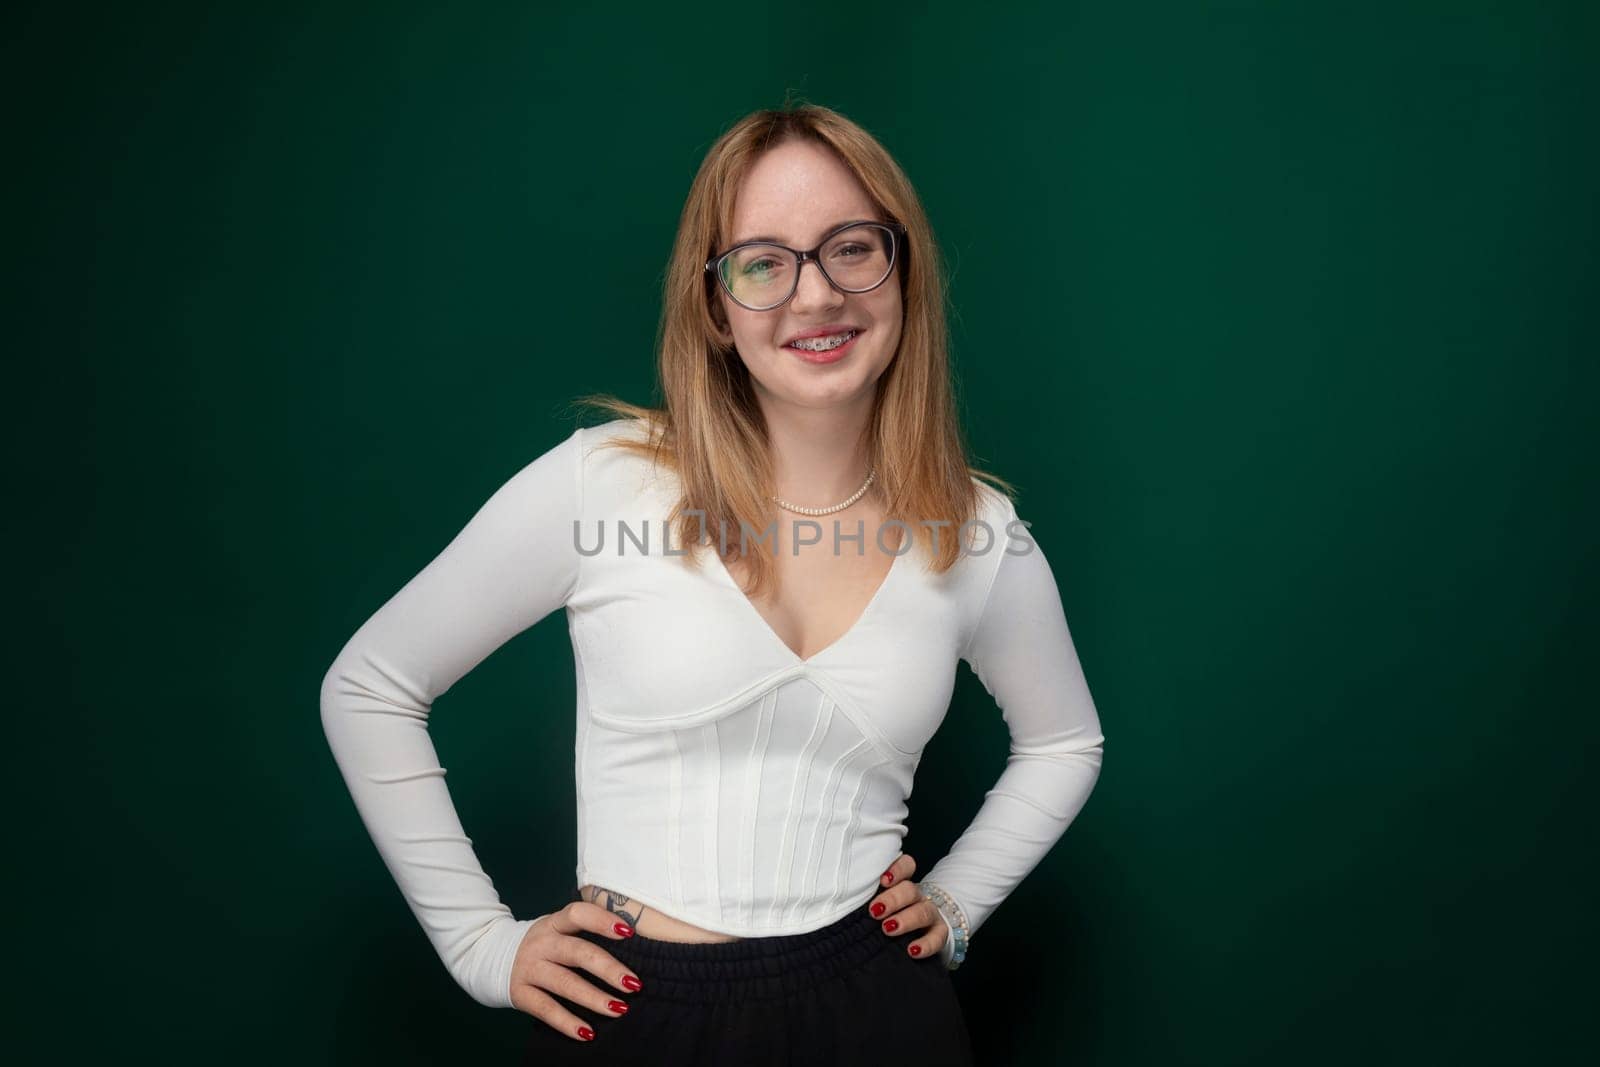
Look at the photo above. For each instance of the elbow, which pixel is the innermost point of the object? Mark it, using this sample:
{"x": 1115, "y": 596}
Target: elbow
{"x": 1085, "y": 758}
{"x": 345, "y": 685}
{"x": 359, "y": 685}
{"x": 330, "y": 699}
{"x": 1075, "y": 747}
{"x": 1091, "y": 754}
{"x": 1095, "y": 752}
{"x": 1084, "y": 744}
{"x": 1056, "y": 778}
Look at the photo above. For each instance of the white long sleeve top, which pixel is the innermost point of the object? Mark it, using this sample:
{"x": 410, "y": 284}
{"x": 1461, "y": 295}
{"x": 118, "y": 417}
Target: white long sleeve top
{"x": 721, "y": 779}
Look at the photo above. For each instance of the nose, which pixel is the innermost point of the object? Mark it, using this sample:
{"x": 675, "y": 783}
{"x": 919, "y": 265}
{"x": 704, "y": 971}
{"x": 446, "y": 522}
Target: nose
{"x": 813, "y": 290}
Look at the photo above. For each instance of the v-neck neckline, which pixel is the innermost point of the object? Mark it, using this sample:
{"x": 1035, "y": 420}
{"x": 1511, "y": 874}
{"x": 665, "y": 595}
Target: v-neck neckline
{"x": 772, "y": 635}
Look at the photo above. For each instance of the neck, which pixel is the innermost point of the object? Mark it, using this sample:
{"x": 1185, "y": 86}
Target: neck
{"x": 819, "y": 455}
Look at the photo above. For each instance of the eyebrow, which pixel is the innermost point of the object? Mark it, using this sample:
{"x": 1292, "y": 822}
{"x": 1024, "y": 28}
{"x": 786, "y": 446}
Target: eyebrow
{"x": 776, "y": 241}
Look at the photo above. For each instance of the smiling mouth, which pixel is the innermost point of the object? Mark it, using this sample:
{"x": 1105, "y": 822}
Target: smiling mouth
{"x": 823, "y": 344}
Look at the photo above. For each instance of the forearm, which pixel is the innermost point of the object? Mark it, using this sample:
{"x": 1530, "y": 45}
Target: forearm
{"x": 380, "y": 740}
{"x": 1022, "y": 817}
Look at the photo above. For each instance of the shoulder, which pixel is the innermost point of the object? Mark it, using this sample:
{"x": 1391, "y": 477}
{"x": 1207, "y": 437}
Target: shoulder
{"x": 616, "y": 460}
{"x": 614, "y": 430}
{"x": 993, "y": 516}
{"x": 983, "y": 539}
{"x": 993, "y": 504}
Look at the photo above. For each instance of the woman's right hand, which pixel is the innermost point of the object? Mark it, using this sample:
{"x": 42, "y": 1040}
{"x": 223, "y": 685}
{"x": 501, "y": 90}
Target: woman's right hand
{"x": 542, "y": 968}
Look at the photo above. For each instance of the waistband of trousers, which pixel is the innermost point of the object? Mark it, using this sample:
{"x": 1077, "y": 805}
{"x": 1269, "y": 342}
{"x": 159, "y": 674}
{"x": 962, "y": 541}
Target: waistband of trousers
{"x": 751, "y": 968}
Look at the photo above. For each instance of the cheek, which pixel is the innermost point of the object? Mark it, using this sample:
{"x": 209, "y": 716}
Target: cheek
{"x": 891, "y": 321}
{"x": 888, "y": 308}
{"x": 744, "y": 323}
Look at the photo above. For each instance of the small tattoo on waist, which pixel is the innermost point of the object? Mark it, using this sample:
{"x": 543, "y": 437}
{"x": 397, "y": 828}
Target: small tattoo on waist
{"x": 615, "y": 903}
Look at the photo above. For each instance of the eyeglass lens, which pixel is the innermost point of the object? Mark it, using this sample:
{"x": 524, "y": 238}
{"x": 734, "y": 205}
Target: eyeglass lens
{"x": 762, "y": 276}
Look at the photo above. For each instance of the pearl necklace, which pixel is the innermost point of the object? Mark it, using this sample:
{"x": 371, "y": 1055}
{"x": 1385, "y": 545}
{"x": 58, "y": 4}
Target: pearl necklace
{"x": 797, "y": 509}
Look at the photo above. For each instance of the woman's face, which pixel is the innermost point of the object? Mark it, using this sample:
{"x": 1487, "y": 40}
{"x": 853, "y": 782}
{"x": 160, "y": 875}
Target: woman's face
{"x": 798, "y": 193}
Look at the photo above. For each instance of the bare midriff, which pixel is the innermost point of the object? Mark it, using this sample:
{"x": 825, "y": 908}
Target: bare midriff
{"x": 647, "y": 921}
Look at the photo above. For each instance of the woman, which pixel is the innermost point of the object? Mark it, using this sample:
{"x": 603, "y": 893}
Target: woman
{"x": 751, "y": 712}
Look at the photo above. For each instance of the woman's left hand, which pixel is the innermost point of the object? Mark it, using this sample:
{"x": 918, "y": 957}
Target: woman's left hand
{"x": 901, "y": 910}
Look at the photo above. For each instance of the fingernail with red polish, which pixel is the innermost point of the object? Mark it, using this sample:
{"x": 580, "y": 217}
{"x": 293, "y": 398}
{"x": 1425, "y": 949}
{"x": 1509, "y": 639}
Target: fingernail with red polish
{"x": 622, "y": 1009}
{"x": 586, "y": 1033}
{"x": 916, "y": 950}
{"x": 631, "y": 983}
{"x": 622, "y": 929}
{"x": 891, "y": 926}
{"x": 878, "y": 909}
{"x": 888, "y": 876}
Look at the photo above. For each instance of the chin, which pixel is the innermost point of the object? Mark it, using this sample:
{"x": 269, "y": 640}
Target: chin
{"x": 828, "y": 385}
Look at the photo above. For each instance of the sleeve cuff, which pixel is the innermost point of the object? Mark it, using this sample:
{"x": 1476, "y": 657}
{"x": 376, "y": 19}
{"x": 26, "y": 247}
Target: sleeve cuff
{"x": 499, "y": 966}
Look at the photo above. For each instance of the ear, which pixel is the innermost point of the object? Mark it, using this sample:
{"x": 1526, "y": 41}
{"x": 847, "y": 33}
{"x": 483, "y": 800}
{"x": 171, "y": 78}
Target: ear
{"x": 719, "y": 325}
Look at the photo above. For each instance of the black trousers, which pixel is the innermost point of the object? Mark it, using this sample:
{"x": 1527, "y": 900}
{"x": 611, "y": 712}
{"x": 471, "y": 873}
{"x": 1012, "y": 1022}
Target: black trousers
{"x": 842, "y": 995}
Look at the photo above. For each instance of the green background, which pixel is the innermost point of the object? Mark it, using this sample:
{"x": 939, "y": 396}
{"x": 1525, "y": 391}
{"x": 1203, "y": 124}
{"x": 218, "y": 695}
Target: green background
{"x": 1282, "y": 316}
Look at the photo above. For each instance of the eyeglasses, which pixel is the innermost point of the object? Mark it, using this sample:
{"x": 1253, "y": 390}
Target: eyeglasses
{"x": 855, "y": 258}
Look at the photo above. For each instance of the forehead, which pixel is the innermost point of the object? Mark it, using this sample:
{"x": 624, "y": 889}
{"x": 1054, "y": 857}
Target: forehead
{"x": 796, "y": 193}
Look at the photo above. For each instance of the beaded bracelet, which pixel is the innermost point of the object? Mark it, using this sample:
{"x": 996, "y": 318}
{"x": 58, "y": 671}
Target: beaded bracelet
{"x": 957, "y": 919}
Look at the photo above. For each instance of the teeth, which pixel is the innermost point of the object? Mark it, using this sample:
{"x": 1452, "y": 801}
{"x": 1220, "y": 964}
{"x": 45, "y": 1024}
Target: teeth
{"x": 823, "y": 344}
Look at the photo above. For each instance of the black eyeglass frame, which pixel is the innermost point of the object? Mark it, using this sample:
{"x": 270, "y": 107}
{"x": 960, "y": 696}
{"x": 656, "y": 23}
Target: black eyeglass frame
{"x": 897, "y": 234}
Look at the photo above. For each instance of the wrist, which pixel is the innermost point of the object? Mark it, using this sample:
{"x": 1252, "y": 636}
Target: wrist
{"x": 508, "y": 937}
{"x": 954, "y": 950}
{"x": 947, "y": 950}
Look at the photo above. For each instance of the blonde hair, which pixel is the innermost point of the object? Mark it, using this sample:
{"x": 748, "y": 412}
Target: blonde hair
{"x": 710, "y": 430}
